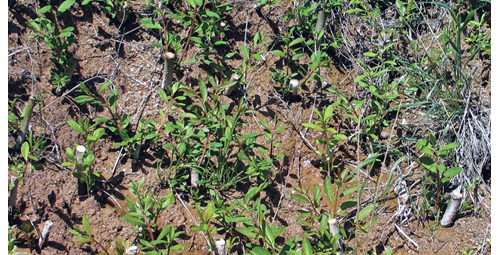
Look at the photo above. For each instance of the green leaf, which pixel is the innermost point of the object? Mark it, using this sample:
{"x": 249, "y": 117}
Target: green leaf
{"x": 84, "y": 99}
{"x": 308, "y": 250}
{"x": 257, "y": 57}
{"x": 195, "y": 3}
{"x": 365, "y": 211}
{"x": 313, "y": 126}
{"x": 370, "y": 54}
{"x": 98, "y": 133}
{"x": 129, "y": 217}
{"x": 328, "y": 114}
{"x": 113, "y": 99}
{"x": 44, "y": 10}
{"x": 297, "y": 41}
{"x": 76, "y": 126}
{"x": 65, "y": 6}
{"x": 246, "y": 232}
{"x": 82, "y": 240}
{"x": 220, "y": 43}
{"x": 208, "y": 212}
{"x": 269, "y": 233}
{"x": 25, "y": 150}
{"x": 177, "y": 247}
{"x": 425, "y": 147}
{"x": 167, "y": 200}
{"x": 350, "y": 203}
{"x": 146, "y": 243}
{"x": 299, "y": 198}
{"x": 428, "y": 163}
{"x": 203, "y": 90}
{"x": 297, "y": 56}
{"x": 86, "y": 225}
{"x": 104, "y": 86}
{"x": 164, "y": 232}
{"x": 77, "y": 231}
{"x": 432, "y": 139}
{"x": 327, "y": 184}
{"x": 259, "y": 251}
{"x": 163, "y": 95}
{"x": 150, "y": 23}
{"x": 85, "y": 2}
{"x": 88, "y": 160}
{"x": 350, "y": 190}
{"x": 444, "y": 150}
{"x": 452, "y": 172}
{"x": 278, "y": 52}
{"x": 67, "y": 164}
{"x": 316, "y": 194}
{"x": 245, "y": 52}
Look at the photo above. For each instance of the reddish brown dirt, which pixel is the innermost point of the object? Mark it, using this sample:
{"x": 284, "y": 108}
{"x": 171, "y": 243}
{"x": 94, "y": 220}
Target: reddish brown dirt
{"x": 123, "y": 54}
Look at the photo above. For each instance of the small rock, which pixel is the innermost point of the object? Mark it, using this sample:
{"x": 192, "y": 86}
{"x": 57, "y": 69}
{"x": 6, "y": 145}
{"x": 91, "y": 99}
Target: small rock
{"x": 385, "y": 133}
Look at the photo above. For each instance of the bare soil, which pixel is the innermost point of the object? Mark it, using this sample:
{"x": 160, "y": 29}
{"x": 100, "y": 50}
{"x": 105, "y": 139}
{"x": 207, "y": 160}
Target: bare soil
{"x": 121, "y": 52}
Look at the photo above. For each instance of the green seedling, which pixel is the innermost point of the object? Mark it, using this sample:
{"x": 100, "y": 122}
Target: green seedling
{"x": 147, "y": 131}
{"x": 271, "y": 134}
{"x": 119, "y": 123}
{"x": 82, "y": 160}
{"x": 116, "y": 9}
{"x": 145, "y": 208}
{"x": 12, "y": 242}
{"x": 86, "y": 236}
{"x": 30, "y": 233}
{"x": 228, "y": 216}
{"x": 31, "y": 151}
{"x": 58, "y": 39}
{"x": 204, "y": 224}
{"x": 260, "y": 229}
{"x": 479, "y": 38}
{"x": 215, "y": 140}
{"x": 90, "y": 132}
{"x": 316, "y": 222}
{"x": 438, "y": 173}
{"x": 330, "y": 136}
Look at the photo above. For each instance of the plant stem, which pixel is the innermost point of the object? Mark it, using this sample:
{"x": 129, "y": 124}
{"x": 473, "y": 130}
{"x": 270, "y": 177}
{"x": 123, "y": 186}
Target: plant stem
{"x": 149, "y": 229}
{"x": 191, "y": 28}
{"x": 100, "y": 245}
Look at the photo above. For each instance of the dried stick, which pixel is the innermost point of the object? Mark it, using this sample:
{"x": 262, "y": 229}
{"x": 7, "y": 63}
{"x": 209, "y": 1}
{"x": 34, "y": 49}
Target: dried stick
{"x": 168, "y": 72}
{"x": 320, "y": 23}
{"x": 190, "y": 214}
{"x": 293, "y": 85}
{"x": 79, "y": 154}
{"x": 45, "y": 233}
{"x": 334, "y": 230}
{"x": 452, "y": 208}
{"x": 406, "y": 236}
{"x": 220, "y": 245}
{"x": 13, "y": 193}
{"x": 195, "y": 176}
{"x": 234, "y": 78}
